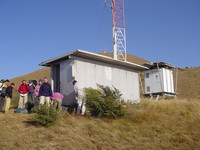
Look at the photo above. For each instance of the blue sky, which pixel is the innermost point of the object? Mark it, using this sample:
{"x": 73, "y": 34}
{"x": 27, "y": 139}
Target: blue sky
{"x": 32, "y": 31}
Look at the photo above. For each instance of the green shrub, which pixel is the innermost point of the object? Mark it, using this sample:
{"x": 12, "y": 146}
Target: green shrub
{"x": 104, "y": 102}
{"x": 45, "y": 116}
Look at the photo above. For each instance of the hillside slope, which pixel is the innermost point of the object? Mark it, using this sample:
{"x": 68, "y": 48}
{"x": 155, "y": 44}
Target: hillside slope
{"x": 189, "y": 83}
{"x": 35, "y": 75}
{"x": 165, "y": 125}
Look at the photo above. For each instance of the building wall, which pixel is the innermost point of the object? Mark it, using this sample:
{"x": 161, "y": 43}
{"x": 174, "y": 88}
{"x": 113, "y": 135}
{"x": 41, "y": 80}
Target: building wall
{"x": 168, "y": 85}
{"x": 89, "y": 73}
{"x": 159, "y": 81}
{"x": 152, "y": 82}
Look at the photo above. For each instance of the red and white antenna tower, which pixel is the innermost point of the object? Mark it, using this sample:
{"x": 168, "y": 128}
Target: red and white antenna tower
{"x": 119, "y": 32}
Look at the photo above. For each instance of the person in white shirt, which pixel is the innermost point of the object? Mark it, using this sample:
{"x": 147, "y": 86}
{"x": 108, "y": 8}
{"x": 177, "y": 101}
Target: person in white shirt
{"x": 80, "y": 105}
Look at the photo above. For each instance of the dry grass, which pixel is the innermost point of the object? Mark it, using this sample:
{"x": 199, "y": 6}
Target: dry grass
{"x": 189, "y": 83}
{"x": 149, "y": 125}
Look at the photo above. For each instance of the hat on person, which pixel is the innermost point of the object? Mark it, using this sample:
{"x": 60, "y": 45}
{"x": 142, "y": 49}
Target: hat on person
{"x": 6, "y": 80}
{"x": 45, "y": 78}
{"x": 40, "y": 80}
{"x": 74, "y": 82}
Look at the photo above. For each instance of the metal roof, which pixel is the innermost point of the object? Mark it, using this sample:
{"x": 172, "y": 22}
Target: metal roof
{"x": 93, "y": 56}
{"x": 130, "y": 58}
{"x": 160, "y": 65}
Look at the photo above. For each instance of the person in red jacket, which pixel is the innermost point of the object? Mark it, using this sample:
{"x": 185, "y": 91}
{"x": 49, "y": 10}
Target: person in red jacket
{"x": 23, "y": 98}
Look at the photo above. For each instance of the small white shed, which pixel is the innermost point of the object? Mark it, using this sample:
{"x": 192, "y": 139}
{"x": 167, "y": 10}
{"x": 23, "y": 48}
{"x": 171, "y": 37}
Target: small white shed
{"x": 159, "y": 79}
{"x": 90, "y": 69}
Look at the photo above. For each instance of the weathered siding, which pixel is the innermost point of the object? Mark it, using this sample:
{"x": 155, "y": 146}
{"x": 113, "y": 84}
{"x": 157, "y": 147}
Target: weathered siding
{"x": 89, "y": 73}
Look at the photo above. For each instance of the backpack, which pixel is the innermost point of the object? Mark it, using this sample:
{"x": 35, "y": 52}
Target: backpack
{"x": 33, "y": 85}
{"x": 22, "y": 111}
{"x": 3, "y": 92}
{"x": 34, "y": 82}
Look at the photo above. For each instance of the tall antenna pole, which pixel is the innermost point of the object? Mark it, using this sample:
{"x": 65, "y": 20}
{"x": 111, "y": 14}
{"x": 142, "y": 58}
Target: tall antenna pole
{"x": 119, "y": 32}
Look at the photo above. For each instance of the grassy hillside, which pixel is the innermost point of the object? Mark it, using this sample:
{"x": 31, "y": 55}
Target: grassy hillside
{"x": 189, "y": 83}
{"x": 35, "y": 75}
{"x": 148, "y": 126}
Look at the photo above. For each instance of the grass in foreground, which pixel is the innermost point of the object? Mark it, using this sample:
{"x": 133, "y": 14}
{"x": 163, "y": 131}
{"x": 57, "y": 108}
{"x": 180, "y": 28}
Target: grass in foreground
{"x": 148, "y": 125}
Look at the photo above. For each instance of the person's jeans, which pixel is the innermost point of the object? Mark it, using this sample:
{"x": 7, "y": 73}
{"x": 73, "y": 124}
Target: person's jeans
{"x": 45, "y": 100}
{"x": 7, "y": 104}
{"x": 57, "y": 104}
{"x": 81, "y": 108}
{"x": 23, "y": 102}
{"x": 31, "y": 98}
{"x": 1, "y": 103}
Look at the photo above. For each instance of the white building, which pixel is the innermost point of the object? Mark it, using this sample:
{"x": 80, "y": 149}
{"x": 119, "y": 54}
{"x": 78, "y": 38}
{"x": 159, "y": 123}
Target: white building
{"x": 159, "y": 79}
{"x": 90, "y": 69}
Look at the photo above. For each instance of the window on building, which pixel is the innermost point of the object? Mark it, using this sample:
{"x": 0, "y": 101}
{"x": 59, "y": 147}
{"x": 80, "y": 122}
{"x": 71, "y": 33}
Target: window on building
{"x": 147, "y": 75}
{"x": 148, "y": 88}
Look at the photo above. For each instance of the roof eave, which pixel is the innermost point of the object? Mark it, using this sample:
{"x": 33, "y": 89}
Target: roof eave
{"x": 158, "y": 64}
{"x": 94, "y": 56}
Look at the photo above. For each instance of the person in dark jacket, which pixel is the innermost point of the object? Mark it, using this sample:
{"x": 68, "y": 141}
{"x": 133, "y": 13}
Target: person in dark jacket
{"x": 31, "y": 97}
{"x": 45, "y": 93}
{"x": 23, "y": 90}
{"x": 8, "y": 97}
{"x": 3, "y": 87}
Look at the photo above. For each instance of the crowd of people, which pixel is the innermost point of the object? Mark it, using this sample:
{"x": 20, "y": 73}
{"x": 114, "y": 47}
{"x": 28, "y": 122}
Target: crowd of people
{"x": 32, "y": 94}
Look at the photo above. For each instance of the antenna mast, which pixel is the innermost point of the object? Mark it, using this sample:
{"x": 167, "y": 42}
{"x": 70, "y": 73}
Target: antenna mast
{"x": 119, "y": 33}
